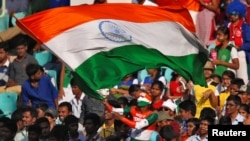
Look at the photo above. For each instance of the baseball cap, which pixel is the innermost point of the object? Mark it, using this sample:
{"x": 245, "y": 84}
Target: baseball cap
{"x": 51, "y": 112}
{"x": 163, "y": 115}
{"x": 144, "y": 100}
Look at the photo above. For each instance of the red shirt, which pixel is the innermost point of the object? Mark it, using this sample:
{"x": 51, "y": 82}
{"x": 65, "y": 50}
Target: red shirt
{"x": 174, "y": 87}
{"x": 157, "y": 105}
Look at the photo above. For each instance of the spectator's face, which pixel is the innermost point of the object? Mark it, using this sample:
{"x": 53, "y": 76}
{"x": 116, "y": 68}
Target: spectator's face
{"x": 155, "y": 90}
{"x": 208, "y": 73}
{"x": 7, "y": 134}
{"x": 3, "y": 55}
{"x": 204, "y": 127}
{"x": 37, "y": 76}
{"x": 233, "y": 89}
{"x": 234, "y": 17}
{"x": 63, "y": 112}
{"x": 243, "y": 112}
{"x": 226, "y": 81}
{"x": 73, "y": 128}
{"x": 21, "y": 50}
{"x": 231, "y": 107}
{"x": 221, "y": 36}
{"x": 76, "y": 90}
{"x": 90, "y": 127}
{"x": 183, "y": 114}
{"x": 190, "y": 128}
{"x": 33, "y": 136}
{"x": 45, "y": 127}
{"x": 247, "y": 120}
{"x": 28, "y": 119}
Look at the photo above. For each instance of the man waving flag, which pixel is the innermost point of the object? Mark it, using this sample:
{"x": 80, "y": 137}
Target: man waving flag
{"x": 103, "y": 43}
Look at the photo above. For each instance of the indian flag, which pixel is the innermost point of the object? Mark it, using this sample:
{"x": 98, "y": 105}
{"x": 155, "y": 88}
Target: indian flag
{"x": 103, "y": 43}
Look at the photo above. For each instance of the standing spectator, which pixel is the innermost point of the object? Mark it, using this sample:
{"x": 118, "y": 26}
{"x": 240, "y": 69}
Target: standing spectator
{"x": 192, "y": 128}
{"x": 44, "y": 125}
{"x": 206, "y": 96}
{"x": 9, "y": 130}
{"x": 29, "y": 118}
{"x": 206, "y": 25}
{"x": 227, "y": 57}
{"x": 239, "y": 35}
{"x": 4, "y": 65}
{"x": 18, "y": 66}
{"x": 41, "y": 108}
{"x": 38, "y": 88}
{"x": 143, "y": 117}
{"x": 202, "y": 134}
{"x": 64, "y": 110}
{"x": 71, "y": 122}
{"x": 232, "y": 109}
{"x": 59, "y": 133}
{"x": 34, "y": 132}
{"x": 76, "y": 102}
{"x": 51, "y": 115}
{"x": 92, "y": 123}
{"x": 156, "y": 90}
{"x": 17, "y": 116}
{"x": 187, "y": 111}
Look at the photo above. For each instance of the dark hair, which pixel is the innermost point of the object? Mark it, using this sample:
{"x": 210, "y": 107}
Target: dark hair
{"x": 4, "y": 119}
{"x": 42, "y": 106}
{"x": 225, "y": 120}
{"x": 32, "y": 111}
{"x": 196, "y": 122}
{"x": 114, "y": 103}
{"x": 66, "y": 104}
{"x": 235, "y": 98}
{"x": 174, "y": 76}
{"x": 32, "y": 69}
{"x": 134, "y": 88}
{"x": 60, "y": 132}
{"x": 42, "y": 120}
{"x": 245, "y": 107}
{"x": 238, "y": 81}
{"x": 70, "y": 119}
{"x": 216, "y": 75}
{"x": 94, "y": 118}
{"x": 167, "y": 133}
{"x": 11, "y": 125}
{"x": 188, "y": 105}
{"x": 17, "y": 115}
{"x": 4, "y": 46}
{"x": 209, "y": 119}
{"x": 159, "y": 83}
{"x": 207, "y": 111}
{"x": 36, "y": 128}
{"x": 224, "y": 30}
{"x": 73, "y": 82}
{"x": 123, "y": 101}
{"x": 229, "y": 73}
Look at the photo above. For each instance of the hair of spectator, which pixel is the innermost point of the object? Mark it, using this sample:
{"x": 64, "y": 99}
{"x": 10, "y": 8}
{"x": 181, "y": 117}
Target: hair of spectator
{"x": 66, "y": 104}
{"x": 188, "y": 105}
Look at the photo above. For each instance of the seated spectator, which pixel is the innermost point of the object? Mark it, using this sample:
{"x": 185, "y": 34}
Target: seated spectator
{"x": 232, "y": 109}
{"x": 38, "y": 88}
{"x": 192, "y": 128}
{"x": 225, "y": 120}
{"x": 18, "y": 67}
{"x": 4, "y": 65}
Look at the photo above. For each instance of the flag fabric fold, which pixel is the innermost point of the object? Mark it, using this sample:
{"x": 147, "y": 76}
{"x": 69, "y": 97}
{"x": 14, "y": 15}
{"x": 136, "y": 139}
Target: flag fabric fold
{"x": 103, "y": 43}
